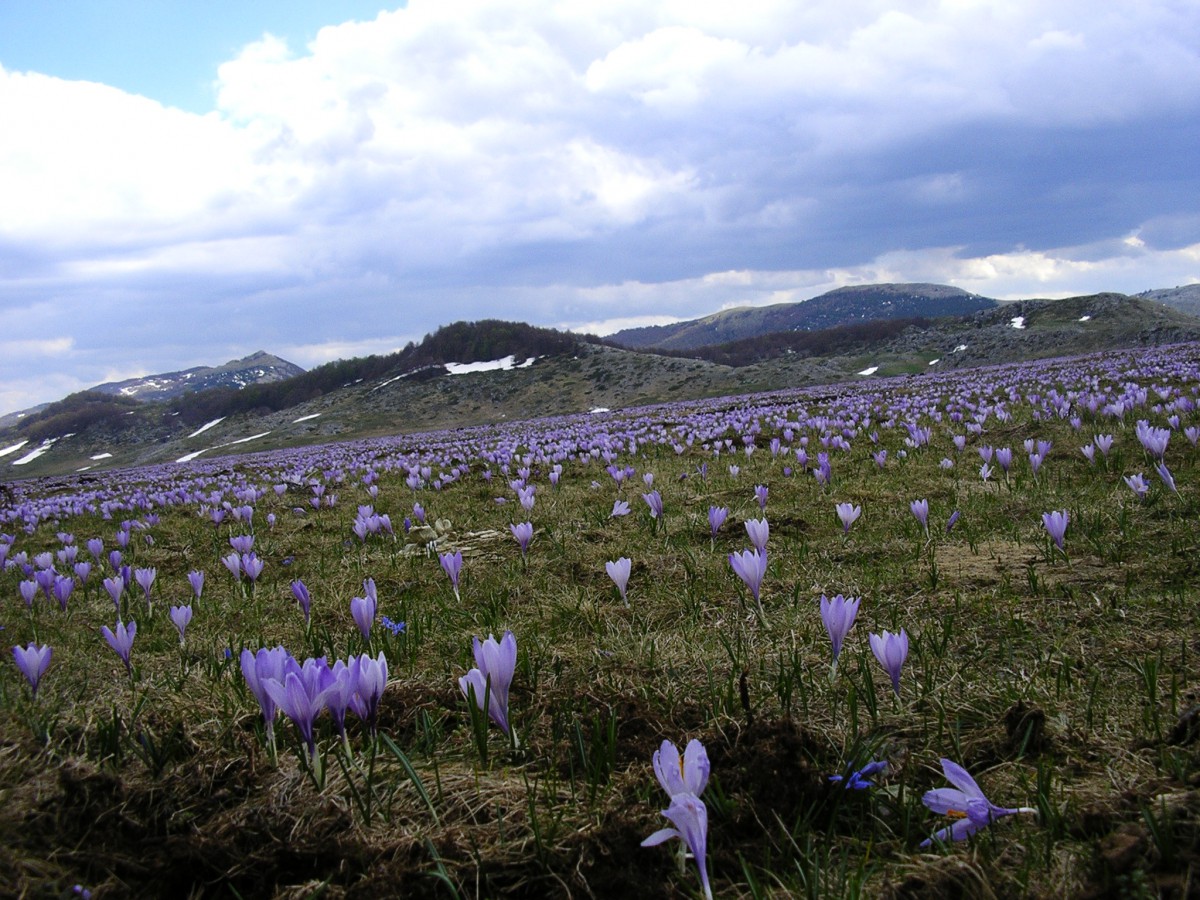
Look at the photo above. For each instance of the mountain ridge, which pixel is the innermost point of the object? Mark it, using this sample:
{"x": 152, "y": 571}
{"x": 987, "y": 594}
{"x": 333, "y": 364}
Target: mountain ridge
{"x": 842, "y": 306}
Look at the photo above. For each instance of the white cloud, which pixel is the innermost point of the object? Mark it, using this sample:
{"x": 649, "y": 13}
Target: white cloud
{"x": 596, "y": 162}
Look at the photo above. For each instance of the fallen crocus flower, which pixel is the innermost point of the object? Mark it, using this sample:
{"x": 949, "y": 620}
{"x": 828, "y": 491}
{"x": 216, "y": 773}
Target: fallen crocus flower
{"x": 964, "y": 802}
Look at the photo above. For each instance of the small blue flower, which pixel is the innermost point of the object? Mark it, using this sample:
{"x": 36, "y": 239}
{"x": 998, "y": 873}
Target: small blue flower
{"x": 393, "y": 627}
{"x": 860, "y": 779}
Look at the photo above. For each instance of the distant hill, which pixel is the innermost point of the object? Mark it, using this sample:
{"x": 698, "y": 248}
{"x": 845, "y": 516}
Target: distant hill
{"x": 257, "y": 368}
{"x": 515, "y": 371}
{"x": 844, "y": 306}
{"x": 1185, "y": 298}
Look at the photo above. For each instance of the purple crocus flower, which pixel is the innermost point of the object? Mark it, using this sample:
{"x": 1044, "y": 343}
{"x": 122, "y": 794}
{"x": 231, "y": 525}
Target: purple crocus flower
{"x": 196, "y": 580}
{"x": 83, "y": 571}
{"x": 180, "y": 617}
{"x": 28, "y": 588}
{"x": 115, "y": 587}
{"x": 689, "y": 815}
{"x": 452, "y": 566}
{"x": 860, "y": 779}
{"x": 838, "y": 615}
{"x": 63, "y": 586}
{"x": 362, "y": 610}
{"x": 655, "y": 502}
{"x": 716, "y": 518}
{"x": 891, "y": 650}
{"x": 681, "y": 775}
{"x": 920, "y": 509}
{"x": 952, "y": 521}
{"x": 256, "y": 669}
{"x": 848, "y": 513}
{"x": 760, "y": 494}
{"x": 620, "y": 508}
{"x": 252, "y": 566}
{"x": 1138, "y": 485}
{"x": 33, "y": 662}
{"x": 523, "y": 532}
{"x": 1165, "y": 474}
{"x": 751, "y": 567}
{"x": 492, "y": 678}
{"x": 618, "y": 570}
{"x": 121, "y": 640}
{"x": 372, "y": 680}
{"x": 301, "y": 697}
{"x": 242, "y": 543}
{"x": 342, "y": 688}
{"x": 233, "y": 563}
{"x": 95, "y": 547}
{"x": 145, "y": 579}
{"x": 300, "y": 592}
{"x": 964, "y": 802}
{"x": 758, "y": 530}
{"x": 1056, "y": 525}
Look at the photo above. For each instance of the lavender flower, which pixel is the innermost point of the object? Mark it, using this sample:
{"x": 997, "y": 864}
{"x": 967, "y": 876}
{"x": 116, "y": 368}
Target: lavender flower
{"x": 1056, "y": 525}
{"x": 758, "y": 530}
{"x": 1138, "y": 485}
{"x": 252, "y": 566}
{"x": 760, "y": 494}
{"x": 492, "y": 678}
{"x": 301, "y": 697}
{"x": 891, "y": 650}
{"x": 620, "y": 508}
{"x": 452, "y": 566}
{"x": 716, "y": 518}
{"x": 838, "y": 615}
{"x": 690, "y": 817}
{"x": 751, "y": 567}
{"x": 848, "y": 513}
{"x": 1165, "y": 474}
{"x": 33, "y": 662}
{"x": 523, "y": 532}
{"x": 964, "y": 802}
{"x": 372, "y": 680}
{"x": 655, "y": 502}
{"x": 618, "y": 570}
{"x": 196, "y": 580}
{"x": 362, "y": 610}
{"x": 300, "y": 592}
{"x": 145, "y": 579}
{"x": 180, "y": 617}
{"x": 258, "y": 668}
{"x": 681, "y": 775}
{"x": 121, "y": 640}
{"x": 920, "y": 509}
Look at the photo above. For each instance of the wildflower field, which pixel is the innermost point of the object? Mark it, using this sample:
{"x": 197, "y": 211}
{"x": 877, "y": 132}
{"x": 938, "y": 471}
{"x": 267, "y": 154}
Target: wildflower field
{"x": 922, "y": 637}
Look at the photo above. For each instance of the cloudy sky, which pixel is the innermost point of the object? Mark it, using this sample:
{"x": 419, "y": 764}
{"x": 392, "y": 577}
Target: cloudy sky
{"x": 184, "y": 183}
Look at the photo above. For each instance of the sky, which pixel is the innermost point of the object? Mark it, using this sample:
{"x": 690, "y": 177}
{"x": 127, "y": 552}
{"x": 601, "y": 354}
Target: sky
{"x": 184, "y": 183}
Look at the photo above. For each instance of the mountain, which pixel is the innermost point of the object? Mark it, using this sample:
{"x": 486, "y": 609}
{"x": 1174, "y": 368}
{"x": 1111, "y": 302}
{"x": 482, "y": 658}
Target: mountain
{"x": 844, "y": 306}
{"x": 1185, "y": 298}
{"x": 257, "y": 368}
{"x": 515, "y": 371}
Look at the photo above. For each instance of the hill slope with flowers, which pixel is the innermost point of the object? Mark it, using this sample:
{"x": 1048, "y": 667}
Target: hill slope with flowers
{"x": 894, "y": 637}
